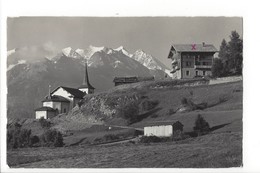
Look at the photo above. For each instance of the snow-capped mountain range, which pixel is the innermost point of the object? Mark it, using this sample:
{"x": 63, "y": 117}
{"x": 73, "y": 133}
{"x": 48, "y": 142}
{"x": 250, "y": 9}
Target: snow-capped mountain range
{"x": 142, "y": 57}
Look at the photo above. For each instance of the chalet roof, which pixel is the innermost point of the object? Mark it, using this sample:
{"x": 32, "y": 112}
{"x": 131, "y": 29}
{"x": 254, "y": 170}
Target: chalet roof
{"x": 126, "y": 79}
{"x": 194, "y": 48}
{"x": 132, "y": 79}
{"x": 45, "y": 108}
{"x": 73, "y": 91}
{"x": 55, "y": 98}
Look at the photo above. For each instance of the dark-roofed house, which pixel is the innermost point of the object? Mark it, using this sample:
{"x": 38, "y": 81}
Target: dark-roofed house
{"x": 45, "y": 112}
{"x": 191, "y": 60}
{"x": 162, "y": 129}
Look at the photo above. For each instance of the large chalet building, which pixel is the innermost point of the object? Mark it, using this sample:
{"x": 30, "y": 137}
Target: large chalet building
{"x": 63, "y": 99}
{"x": 191, "y": 60}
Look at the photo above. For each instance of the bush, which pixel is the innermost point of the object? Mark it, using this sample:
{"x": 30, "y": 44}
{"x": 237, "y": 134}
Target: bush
{"x": 34, "y": 140}
{"x": 150, "y": 139}
{"x": 201, "y": 126}
{"x": 44, "y": 123}
{"x": 130, "y": 112}
{"x": 52, "y": 138}
{"x": 171, "y": 111}
{"x": 111, "y": 137}
{"x": 149, "y": 104}
{"x": 18, "y": 137}
{"x": 184, "y": 101}
{"x": 154, "y": 116}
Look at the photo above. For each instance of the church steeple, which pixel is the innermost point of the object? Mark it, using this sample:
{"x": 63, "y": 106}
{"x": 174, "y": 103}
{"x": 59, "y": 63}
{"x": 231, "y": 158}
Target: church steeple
{"x": 86, "y": 86}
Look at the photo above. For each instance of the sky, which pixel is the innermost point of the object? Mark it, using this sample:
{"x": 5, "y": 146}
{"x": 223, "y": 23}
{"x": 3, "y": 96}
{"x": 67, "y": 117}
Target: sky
{"x": 154, "y": 35}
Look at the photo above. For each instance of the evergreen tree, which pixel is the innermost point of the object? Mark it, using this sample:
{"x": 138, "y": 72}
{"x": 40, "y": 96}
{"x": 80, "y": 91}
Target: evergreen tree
{"x": 201, "y": 125}
{"x": 223, "y": 50}
{"x": 231, "y": 56}
{"x": 217, "y": 68}
{"x": 236, "y": 53}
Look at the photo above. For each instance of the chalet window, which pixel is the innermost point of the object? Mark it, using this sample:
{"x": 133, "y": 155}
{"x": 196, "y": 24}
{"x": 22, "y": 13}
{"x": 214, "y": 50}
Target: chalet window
{"x": 188, "y": 64}
{"x": 204, "y": 73}
{"x": 187, "y": 73}
{"x": 64, "y": 110}
{"x": 204, "y": 63}
{"x": 197, "y": 73}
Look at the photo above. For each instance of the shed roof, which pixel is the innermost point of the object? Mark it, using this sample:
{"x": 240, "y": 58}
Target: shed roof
{"x": 73, "y": 91}
{"x": 194, "y": 48}
{"x": 45, "y": 108}
{"x": 162, "y": 123}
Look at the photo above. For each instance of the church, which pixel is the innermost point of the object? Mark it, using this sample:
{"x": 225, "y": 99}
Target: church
{"x": 62, "y": 99}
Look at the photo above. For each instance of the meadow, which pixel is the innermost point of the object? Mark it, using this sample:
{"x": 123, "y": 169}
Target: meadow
{"x": 221, "y": 148}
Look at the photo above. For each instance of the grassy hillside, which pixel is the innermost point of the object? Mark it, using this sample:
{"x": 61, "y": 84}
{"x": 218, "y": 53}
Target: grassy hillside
{"x": 100, "y": 117}
{"x": 150, "y": 101}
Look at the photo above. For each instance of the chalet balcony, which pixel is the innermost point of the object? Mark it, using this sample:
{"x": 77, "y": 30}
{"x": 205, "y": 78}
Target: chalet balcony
{"x": 203, "y": 66}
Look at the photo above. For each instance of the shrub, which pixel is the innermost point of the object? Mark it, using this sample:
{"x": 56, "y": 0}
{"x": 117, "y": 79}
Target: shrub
{"x": 184, "y": 101}
{"x": 149, "y": 104}
{"x": 171, "y": 111}
{"x": 52, "y": 138}
{"x": 44, "y": 123}
{"x": 34, "y": 140}
{"x": 18, "y": 137}
{"x": 111, "y": 137}
{"x": 154, "y": 116}
{"x": 201, "y": 126}
{"x": 150, "y": 139}
{"x": 178, "y": 135}
{"x": 222, "y": 98}
{"x": 130, "y": 112}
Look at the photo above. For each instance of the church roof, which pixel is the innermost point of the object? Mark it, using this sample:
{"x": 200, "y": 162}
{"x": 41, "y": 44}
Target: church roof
{"x": 73, "y": 91}
{"x": 89, "y": 86}
{"x": 45, "y": 108}
{"x": 55, "y": 98}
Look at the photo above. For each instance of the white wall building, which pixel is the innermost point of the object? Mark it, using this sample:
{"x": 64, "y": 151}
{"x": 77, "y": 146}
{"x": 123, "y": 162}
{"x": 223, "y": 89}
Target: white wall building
{"x": 162, "y": 129}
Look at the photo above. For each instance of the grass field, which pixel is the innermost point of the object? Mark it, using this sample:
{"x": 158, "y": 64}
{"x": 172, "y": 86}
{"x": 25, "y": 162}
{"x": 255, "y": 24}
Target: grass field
{"x": 213, "y": 150}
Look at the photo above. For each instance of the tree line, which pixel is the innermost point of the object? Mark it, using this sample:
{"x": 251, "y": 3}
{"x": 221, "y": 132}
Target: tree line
{"x": 230, "y": 58}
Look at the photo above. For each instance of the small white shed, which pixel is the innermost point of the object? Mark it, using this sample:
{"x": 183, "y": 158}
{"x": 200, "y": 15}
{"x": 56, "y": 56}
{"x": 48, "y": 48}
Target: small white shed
{"x": 162, "y": 129}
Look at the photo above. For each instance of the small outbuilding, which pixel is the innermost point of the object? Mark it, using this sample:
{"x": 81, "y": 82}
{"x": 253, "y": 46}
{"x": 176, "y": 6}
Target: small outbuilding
{"x": 129, "y": 80}
{"x": 45, "y": 112}
{"x": 163, "y": 129}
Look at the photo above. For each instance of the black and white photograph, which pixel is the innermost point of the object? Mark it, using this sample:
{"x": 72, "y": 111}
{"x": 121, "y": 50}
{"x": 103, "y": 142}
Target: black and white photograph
{"x": 124, "y": 92}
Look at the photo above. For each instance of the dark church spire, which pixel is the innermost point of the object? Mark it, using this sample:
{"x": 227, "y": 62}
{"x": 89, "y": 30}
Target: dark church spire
{"x": 86, "y": 83}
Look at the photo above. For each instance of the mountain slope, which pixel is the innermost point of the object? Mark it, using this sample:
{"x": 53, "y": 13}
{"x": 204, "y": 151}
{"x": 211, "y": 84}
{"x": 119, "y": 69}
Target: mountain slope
{"x": 28, "y": 82}
{"x": 150, "y": 62}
